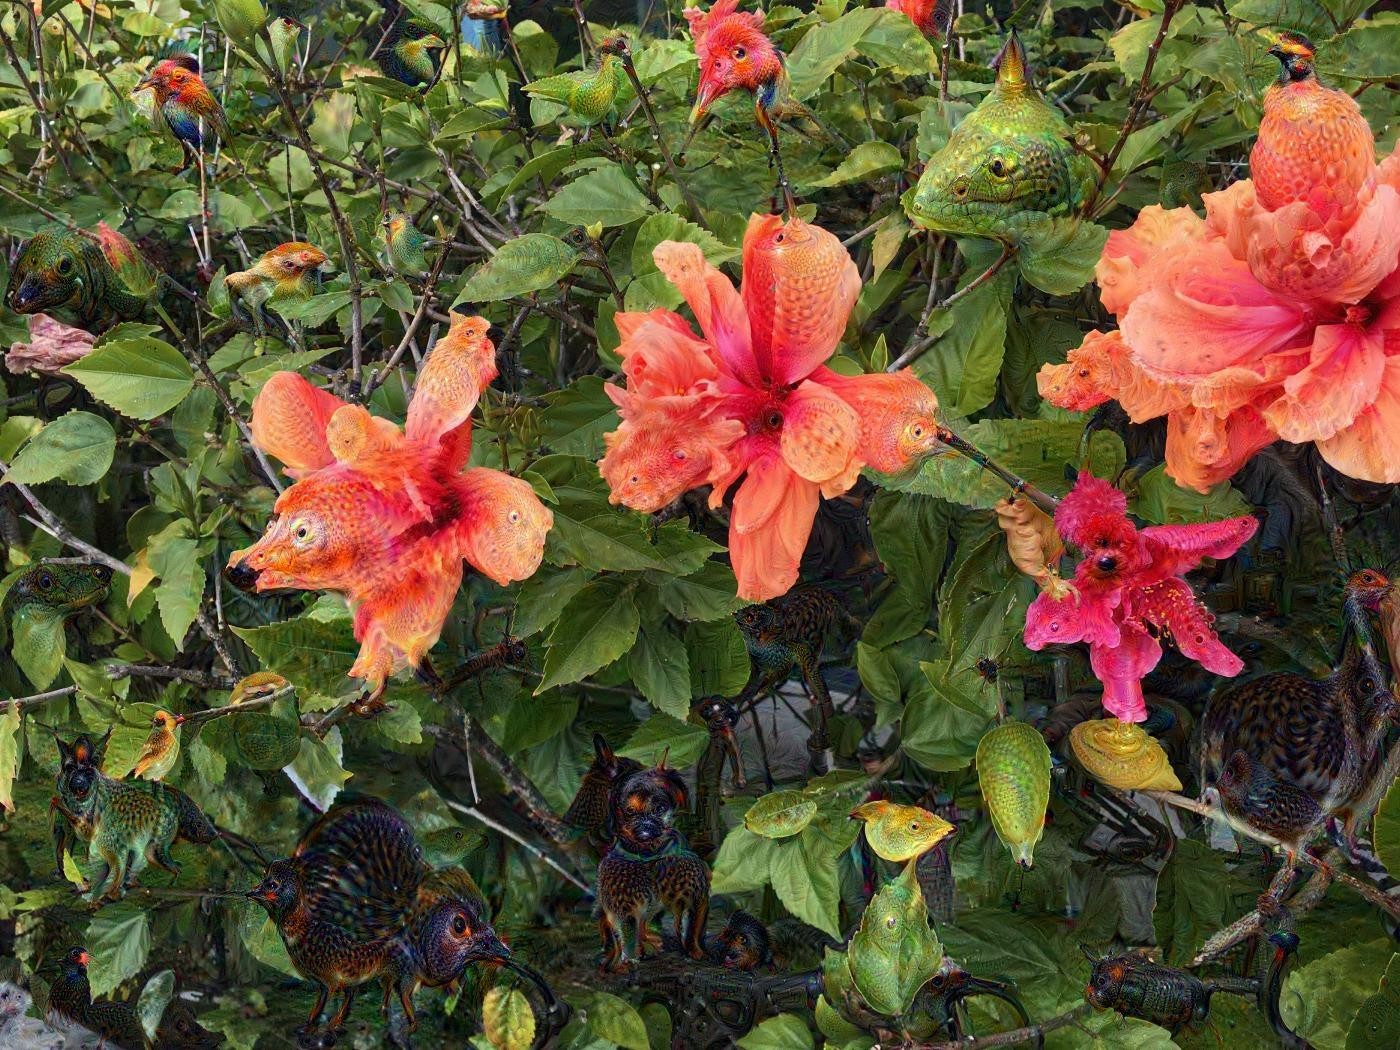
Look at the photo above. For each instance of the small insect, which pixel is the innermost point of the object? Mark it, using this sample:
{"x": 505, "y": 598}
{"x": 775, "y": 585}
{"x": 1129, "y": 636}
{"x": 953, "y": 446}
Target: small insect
{"x": 987, "y": 669}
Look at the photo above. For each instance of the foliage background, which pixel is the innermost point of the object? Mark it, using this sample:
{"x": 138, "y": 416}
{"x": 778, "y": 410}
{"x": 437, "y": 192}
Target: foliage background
{"x": 627, "y": 621}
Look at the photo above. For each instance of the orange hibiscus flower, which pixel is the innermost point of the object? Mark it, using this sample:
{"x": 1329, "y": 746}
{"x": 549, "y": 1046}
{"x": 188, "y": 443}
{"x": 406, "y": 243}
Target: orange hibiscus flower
{"x": 753, "y": 398}
{"x": 1276, "y": 316}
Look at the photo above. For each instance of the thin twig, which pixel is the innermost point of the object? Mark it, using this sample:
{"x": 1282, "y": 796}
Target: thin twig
{"x": 917, "y": 350}
{"x": 530, "y": 847}
{"x": 38, "y": 698}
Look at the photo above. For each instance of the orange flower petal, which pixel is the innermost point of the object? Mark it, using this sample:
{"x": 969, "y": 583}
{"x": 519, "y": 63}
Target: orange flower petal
{"x": 799, "y": 287}
{"x": 289, "y": 422}
{"x": 1129, "y": 255}
{"x": 715, "y": 303}
{"x": 1204, "y": 312}
{"x": 819, "y": 432}
{"x": 460, "y": 367}
{"x": 1341, "y": 378}
{"x": 772, "y": 519}
{"x": 1205, "y": 448}
{"x": 898, "y": 416}
{"x": 503, "y": 525}
{"x": 1369, "y": 448}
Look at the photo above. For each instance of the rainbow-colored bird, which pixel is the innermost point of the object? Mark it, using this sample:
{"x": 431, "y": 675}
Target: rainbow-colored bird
{"x": 589, "y": 95}
{"x": 406, "y": 53}
{"x": 184, "y": 102}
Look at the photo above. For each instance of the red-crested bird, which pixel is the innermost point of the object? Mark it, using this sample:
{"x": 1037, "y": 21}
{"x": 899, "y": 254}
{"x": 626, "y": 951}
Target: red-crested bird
{"x": 184, "y": 101}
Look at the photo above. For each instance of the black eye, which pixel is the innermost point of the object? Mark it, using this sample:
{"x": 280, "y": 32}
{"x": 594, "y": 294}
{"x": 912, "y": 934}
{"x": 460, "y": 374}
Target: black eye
{"x": 65, "y": 265}
{"x": 998, "y": 168}
{"x": 45, "y": 581}
{"x": 775, "y": 419}
{"x": 740, "y": 54}
{"x": 459, "y": 925}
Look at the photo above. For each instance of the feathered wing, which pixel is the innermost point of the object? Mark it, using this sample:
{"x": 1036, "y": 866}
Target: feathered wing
{"x": 361, "y": 867}
{"x": 558, "y": 88}
{"x": 460, "y": 367}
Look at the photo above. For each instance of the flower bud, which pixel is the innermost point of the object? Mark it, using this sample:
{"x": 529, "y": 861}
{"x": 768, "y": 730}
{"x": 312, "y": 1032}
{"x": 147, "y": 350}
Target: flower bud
{"x": 241, "y": 20}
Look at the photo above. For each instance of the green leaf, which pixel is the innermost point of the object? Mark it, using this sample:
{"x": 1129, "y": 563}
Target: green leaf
{"x": 719, "y": 660}
{"x": 606, "y": 195}
{"x": 520, "y": 266}
{"x": 597, "y": 626}
{"x": 577, "y": 417}
{"x": 743, "y": 862}
{"x": 316, "y": 310}
{"x": 1160, "y": 500}
{"x": 864, "y": 163}
{"x": 312, "y": 653}
{"x": 682, "y": 742}
{"x": 507, "y": 1018}
{"x": 705, "y": 595}
{"x": 615, "y": 1020}
{"x": 780, "y": 814}
{"x": 141, "y": 378}
{"x": 38, "y": 644}
{"x": 318, "y": 770}
{"x": 1059, "y": 257}
{"x": 76, "y": 448}
{"x": 784, "y": 1032}
{"x": 155, "y": 997}
{"x": 543, "y": 597}
{"x": 1193, "y": 899}
{"x": 664, "y": 226}
{"x": 824, "y": 47}
{"x": 9, "y": 756}
{"x": 1037, "y": 450}
{"x": 175, "y": 558}
{"x": 911, "y": 538}
{"x": 659, "y": 666}
{"x": 963, "y": 364}
{"x": 1320, "y": 998}
{"x": 118, "y": 939}
{"x": 1387, "y": 828}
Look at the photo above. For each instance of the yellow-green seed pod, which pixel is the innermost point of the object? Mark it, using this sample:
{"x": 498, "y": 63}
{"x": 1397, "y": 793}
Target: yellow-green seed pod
{"x": 1013, "y": 770}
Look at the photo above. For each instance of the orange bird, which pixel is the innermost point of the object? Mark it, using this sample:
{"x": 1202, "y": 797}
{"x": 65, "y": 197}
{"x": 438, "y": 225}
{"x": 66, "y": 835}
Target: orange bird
{"x": 1314, "y": 145}
{"x": 185, "y": 102}
{"x": 385, "y": 516}
{"x": 735, "y": 54}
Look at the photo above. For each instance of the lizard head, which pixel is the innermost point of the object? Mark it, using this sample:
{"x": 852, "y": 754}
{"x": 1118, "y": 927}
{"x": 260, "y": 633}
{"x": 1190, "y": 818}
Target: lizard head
{"x": 50, "y": 271}
{"x": 62, "y": 587}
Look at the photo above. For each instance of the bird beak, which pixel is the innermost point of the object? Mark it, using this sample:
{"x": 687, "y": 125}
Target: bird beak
{"x": 704, "y": 99}
{"x": 84, "y": 958}
{"x": 492, "y": 949}
{"x": 243, "y": 576}
{"x": 1276, "y": 51}
{"x": 179, "y": 720}
{"x": 146, "y": 82}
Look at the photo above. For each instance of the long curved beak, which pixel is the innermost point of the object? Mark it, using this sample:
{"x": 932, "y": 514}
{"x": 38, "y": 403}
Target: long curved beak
{"x": 705, "y": 96}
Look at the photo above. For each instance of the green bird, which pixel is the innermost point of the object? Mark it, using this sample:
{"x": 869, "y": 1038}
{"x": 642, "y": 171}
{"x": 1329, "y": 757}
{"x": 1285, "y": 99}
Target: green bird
{"x": 406, "y": 53}
{"x": 589, "y": 95}
{"x": 38, "y": 605}
{"x": 1377, "y": 1020}
{"x": 404, "y": 244}
{"x": 890, "y": 957}
{"x": 96, "y": 275}
{"x": 1007, "y": 167}
{"x": 1013, "y": 770}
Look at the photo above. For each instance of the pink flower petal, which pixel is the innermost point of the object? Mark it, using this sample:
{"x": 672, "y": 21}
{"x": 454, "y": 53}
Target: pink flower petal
{"x": 715, "y": 303}
{"x": 1341, "y": 379}
{"x": 1205, "y": 447}
{"x": 1369, "y": 448}
{"x": 1122, "y": 668}
{"x": 1130, "y": 256}
{"x": 819, "y": 434}
{"x": 768, "y": 530}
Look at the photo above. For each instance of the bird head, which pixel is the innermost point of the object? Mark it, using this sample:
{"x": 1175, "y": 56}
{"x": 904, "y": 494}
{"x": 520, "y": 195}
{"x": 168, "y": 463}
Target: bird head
{"x": 649, "y": 464}
{"x": 733, "y": 52}
{"x": 292, "y": 262}
{"x": 615, "y": 45}
{"x": 1368, "y": 587}
{"x": 170, "y": 77}
{"x": 1295, "y": 53}
{"x": 456, "y": 933}
{"x": 167, "y": 721}
{"x": 503, "y": 524}
{"x": 279, "y": 890}
{"x": 77, "y": 958}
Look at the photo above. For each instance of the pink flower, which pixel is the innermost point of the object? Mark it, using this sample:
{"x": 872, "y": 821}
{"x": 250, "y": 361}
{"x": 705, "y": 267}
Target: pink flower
{"x": 52, "y": 344}
{"x": 752, "y": 397}
{"x": 1129, "y": 595}
{"x": 1277, "y": 316}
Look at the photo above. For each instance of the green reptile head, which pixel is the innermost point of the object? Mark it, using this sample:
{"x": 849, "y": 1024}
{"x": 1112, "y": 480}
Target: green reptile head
{"x": 53, "y": 271}
{"x": 1009, "y": 161}
{"x": 59, "y": 588}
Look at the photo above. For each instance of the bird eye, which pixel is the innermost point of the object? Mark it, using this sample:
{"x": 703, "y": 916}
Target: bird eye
{"x": 65, "y": 265}
{"x": 890, "y": 923}
{"x": 740, "y": 54}
{"x": 680, "y": 453}
{"x": 459, "y": 926}
{"x": 635, "y": 479}
{"x": 914, "y": 827}
{"x": 513, "y": 517}
{"x": 45, "y": 581}
{"x": 918, "y": 430}
{"x": 775, "y": 419}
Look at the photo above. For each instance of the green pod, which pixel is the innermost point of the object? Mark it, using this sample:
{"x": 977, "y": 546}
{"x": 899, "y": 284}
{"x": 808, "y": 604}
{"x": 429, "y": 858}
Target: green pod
{"x": 1013, "y": 770}
{"x": 268, "y": 740}
{"x": 895, "y": 951}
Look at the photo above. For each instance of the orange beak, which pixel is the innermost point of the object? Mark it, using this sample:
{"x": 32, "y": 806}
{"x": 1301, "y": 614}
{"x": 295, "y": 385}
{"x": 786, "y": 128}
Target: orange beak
{"x": 705, "y": 96}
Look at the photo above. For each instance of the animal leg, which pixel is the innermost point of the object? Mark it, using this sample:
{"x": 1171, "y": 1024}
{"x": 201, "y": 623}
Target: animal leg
{"x": 406, "y": 1001}
{"x": 695, "y": 935}
{"x": 347, "y": 997}
{"x": 158, "y": 853}
{"x": 820, "y": 739}
{"x": 611, "y": 934}
{"x": 322, "y": 994}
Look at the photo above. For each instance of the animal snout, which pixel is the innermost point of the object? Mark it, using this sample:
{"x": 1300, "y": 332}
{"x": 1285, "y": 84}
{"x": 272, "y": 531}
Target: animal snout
{"x": 242, "y": 575}
{"x": 647, "y": 830}
{"x": 1107, "y": 563}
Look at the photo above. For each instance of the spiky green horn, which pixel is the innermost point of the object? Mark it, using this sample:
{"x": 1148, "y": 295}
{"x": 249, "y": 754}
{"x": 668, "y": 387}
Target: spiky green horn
{"x": 1010, "y": 63}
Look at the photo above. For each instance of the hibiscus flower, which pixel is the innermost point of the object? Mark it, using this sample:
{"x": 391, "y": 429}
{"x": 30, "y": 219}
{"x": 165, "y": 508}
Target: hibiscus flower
{"x": 52, "y": 344}
{"x": 1128, "y": 595}
{"x": 752, "y": 397}
{"x": 1276, "y": 316}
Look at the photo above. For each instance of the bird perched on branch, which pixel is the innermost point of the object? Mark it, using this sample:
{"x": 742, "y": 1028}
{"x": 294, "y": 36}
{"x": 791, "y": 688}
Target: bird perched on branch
{"x": 404, "y": 244}
{"x": 161, "y": 750}
{"x": 282, "y": 274}
{"x": 406, "y": 53}
{"x": 1254, "y": 798}
{"x": 589, "y": 95}
{"x": 184, "y": 102}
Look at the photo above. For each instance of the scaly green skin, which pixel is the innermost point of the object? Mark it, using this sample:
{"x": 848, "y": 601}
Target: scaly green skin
{"x": 132, "y": 822}
{"x": 890, "y": 957}
{"x": 589, "y": 95}
{"x": 1377, "y": 1020}
{"x": 37, "y": 606}
{"x": 1007, "y": 167}
{"x": 1013, "y": 771}
{"x": 63, "y": 269}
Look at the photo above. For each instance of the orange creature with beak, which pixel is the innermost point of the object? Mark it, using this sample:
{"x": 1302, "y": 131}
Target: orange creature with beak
{"x": 385, "y": 516}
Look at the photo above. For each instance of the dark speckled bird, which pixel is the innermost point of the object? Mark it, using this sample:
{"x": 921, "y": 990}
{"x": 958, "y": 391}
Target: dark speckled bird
{"x": 70, "y": 996}
{"x": 1253, "y": 797}
{"x": 1325, "y": 736}
{"x": 406, "y": 53}
{"x": 788, "y": 633}
{"x": 357, "y": 902}
{"x": 589, "y": 810}
{"x": 180, "y": 1030}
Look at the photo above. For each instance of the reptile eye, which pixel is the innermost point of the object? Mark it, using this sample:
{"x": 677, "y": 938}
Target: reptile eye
{"x": 45, "y": 581}
{"x": 914, "y": 827}
{"x": 65, "y": 265}
{"x": 998, "y": 168}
